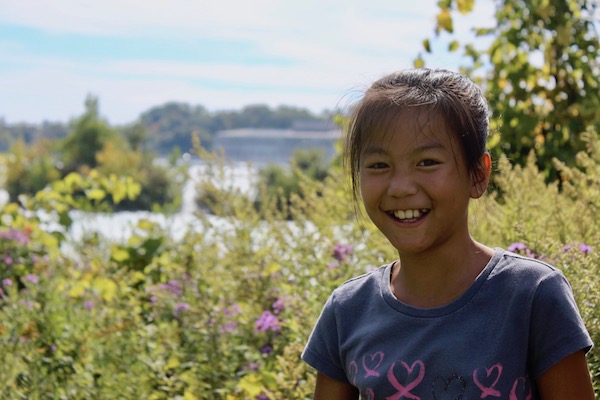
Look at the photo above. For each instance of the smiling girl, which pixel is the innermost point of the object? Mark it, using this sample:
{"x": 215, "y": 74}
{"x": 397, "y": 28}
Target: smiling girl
{"x": 451, "y": 318}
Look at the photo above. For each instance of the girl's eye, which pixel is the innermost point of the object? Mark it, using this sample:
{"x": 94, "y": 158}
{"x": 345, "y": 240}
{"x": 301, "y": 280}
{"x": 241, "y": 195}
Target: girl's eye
{"x": 377, "y": 165}
{"x": 428, "y": 163}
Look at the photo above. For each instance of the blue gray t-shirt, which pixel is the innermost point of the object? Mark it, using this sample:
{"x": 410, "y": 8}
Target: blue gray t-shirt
{"x": 517, "y": 319}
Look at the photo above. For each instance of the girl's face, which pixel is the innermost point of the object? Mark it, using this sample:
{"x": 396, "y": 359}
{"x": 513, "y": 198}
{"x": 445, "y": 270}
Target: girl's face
{"x": 415, "y": 185}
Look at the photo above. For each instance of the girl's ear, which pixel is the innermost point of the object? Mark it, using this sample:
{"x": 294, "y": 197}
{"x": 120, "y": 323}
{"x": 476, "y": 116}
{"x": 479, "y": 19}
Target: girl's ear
{"x": 481, "y": 177}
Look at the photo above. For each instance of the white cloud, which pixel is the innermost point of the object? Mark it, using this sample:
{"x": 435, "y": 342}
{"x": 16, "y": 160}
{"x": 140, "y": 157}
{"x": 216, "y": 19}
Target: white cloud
{"x": 330, "y": 48}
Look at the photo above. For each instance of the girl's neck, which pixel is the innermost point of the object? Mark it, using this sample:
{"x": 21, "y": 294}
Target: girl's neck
{"x": 437, "y": 278}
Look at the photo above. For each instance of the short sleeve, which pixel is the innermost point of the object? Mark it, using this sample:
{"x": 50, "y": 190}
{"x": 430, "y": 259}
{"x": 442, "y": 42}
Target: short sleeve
{"x": 322, "y": 351}
{"x": 557, "y": 328}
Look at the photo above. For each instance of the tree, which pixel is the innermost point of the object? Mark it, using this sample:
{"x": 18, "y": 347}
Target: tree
{"x": 87, "y": 138}
{"x": 540, "y": 71}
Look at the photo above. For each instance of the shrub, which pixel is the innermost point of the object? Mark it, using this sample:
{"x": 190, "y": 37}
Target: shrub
{"x": 224, "y": 311}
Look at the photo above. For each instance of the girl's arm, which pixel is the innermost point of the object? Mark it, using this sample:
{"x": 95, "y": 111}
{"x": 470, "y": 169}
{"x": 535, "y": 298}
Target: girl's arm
{"x": 332, "y": 389}
{"x": 567, "y": 379}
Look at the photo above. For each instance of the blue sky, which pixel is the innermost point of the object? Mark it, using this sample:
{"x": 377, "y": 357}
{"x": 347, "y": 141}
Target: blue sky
{"x": 224, "y": 54}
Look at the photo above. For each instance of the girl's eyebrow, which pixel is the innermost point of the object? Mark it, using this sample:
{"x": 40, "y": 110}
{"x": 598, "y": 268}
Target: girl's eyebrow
{"x": 378, "y": 150}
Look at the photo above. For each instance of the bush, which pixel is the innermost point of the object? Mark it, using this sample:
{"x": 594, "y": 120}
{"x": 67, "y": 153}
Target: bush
{"x": 224, "y": 312}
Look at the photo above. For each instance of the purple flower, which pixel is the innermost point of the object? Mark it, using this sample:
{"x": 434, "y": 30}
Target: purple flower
{"x": 8, "y": 260}
{"x": 228, "y": 327}
{"x": 266, "y": 349}
{"x": 267, "y": 322}
{"x": 180, "y": 308}
{"x": 53, "y": 347}
{"x": 584, "y": 248}
{"x": 332, "y": 265}
{"x": 232, "y": 310}
{"x": 33, "y": 278}
{"x": 173, "y": 286}
{"x": 340, "y": 251}
{"x": 6, "y": 282}
{"x": 261, "y": 397}
{"x": 16, "y": 235}
{"x": 280, "y": 304}
{"x": 517, "y": 247}
{"x": 89, "y": 305}
{"x": 566, "y": 248}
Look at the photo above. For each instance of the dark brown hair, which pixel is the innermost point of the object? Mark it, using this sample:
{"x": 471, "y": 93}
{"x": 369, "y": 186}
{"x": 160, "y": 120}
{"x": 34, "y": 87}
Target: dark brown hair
{"x": 446, "y": 94}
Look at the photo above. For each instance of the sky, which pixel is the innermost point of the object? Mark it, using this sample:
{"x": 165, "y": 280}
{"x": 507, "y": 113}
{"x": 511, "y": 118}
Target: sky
{"x": 222, "y": 54}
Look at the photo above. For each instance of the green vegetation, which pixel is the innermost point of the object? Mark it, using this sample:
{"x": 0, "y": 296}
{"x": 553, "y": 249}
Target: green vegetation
{"x": 92, "y": 146}
{"x": 540, "y": 70}
{"x": 224, "y": 312}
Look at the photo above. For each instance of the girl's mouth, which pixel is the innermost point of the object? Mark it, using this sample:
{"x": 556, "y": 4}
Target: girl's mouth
{"x": 408, "y": 216}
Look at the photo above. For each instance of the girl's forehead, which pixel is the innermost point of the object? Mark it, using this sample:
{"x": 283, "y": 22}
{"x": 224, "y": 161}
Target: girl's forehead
{"x": 423, "y": 125}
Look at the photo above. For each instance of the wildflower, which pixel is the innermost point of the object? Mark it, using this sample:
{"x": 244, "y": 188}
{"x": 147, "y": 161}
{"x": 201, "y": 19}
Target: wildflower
{"x": 340, "y": 251}
{"x": 279, "y": 304}
{"x": 173, "y": 286}
{"x": 517, "y": 247}
{"x": 584, "y": 248}
{"x": 232, "y": 310}
{"x": 53, "y": 347}
{"x": 261, "y": 396}
{"x": 332, "y": 265}
{"x": 89, "y": 305}
{"x": 8, "y": 260}
{"x": 6, "y": 282}
{"x": 153, "y": 300}
{"x": 267, "y": 322}
{"x": 15, "y": 235}
{"x": 566, "y": 248}
{"x": 266, "y": 349}
{"x": 179, "y": 308}
{"x": 252, "y": 366}
{"x": 228, "y": 327}
{"x": 33, "y": 278}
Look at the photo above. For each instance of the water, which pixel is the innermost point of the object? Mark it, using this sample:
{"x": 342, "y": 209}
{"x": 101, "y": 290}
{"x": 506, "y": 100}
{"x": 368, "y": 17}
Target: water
{"x": 118, "y": 227}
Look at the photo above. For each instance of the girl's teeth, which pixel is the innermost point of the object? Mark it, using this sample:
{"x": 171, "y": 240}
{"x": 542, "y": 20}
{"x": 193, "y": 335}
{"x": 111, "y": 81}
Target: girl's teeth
{"x": 408, "y": 214}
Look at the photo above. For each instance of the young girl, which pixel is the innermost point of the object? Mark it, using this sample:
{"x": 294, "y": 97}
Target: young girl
{"x": 452, "y": 318}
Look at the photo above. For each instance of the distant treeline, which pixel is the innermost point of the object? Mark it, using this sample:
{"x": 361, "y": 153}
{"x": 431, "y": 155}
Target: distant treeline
{"x": 171, "y": 125}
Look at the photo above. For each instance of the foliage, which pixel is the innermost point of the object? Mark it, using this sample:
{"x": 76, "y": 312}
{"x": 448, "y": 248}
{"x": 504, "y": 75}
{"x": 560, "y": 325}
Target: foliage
{"x": 88, "y": 137}
{"x": 540, "y": 71}
{"x": 29, "y": 169}
{"x": 94, "y": 145}
{"x": 281, "y": 182}
{"x": 224, "y": 311}
{"x": 172, "y": 125}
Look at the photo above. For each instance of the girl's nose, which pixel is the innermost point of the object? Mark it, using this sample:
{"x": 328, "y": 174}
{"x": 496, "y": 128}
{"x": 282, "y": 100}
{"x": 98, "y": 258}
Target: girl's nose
{"x": 402, "y": 185}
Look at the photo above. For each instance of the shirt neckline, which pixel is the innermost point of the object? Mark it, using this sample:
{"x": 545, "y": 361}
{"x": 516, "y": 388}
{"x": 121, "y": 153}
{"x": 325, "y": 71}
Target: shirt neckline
{"x": 449, "y": 308}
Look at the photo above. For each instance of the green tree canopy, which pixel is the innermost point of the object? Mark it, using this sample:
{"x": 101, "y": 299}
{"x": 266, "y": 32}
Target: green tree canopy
{"x": 541, "y": 73}
{"x": 88, "y": 137}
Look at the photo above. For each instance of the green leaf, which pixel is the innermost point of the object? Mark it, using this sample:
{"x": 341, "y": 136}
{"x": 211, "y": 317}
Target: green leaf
{"x": 95, "y": 194}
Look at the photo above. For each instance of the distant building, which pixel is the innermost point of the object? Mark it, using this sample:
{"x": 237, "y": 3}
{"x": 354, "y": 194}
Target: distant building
{"x": 276, "y": 146}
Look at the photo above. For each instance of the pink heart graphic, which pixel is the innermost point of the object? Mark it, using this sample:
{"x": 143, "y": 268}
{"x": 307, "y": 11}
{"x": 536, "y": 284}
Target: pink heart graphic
{"x": 369, "y": 394}
{"x": 353, "y": 372}
{"x": 488, "y": 390}
{"x": 404, "y": 390}
{"x": 522, "y": 386}
{"x": 375, "y": 361}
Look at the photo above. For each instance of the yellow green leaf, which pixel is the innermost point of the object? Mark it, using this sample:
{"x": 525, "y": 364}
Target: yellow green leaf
{"x": 444, "y": 21}
{"x": 465, "y": 6}
{"x": 427, "y": 45}
{"x": 95, "y": 194}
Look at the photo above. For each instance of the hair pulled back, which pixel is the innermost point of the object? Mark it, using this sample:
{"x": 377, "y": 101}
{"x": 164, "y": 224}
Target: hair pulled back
{"x": 439, "y": 92}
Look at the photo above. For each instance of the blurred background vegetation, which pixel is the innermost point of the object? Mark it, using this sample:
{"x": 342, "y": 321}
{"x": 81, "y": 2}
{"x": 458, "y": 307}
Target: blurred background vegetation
{"x": 162, "y": 319}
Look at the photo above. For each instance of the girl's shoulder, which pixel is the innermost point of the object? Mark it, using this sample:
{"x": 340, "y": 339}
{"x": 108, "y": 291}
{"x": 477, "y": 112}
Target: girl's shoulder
{"x": 362, "y": 285}
{"x": 520, "y": 265}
